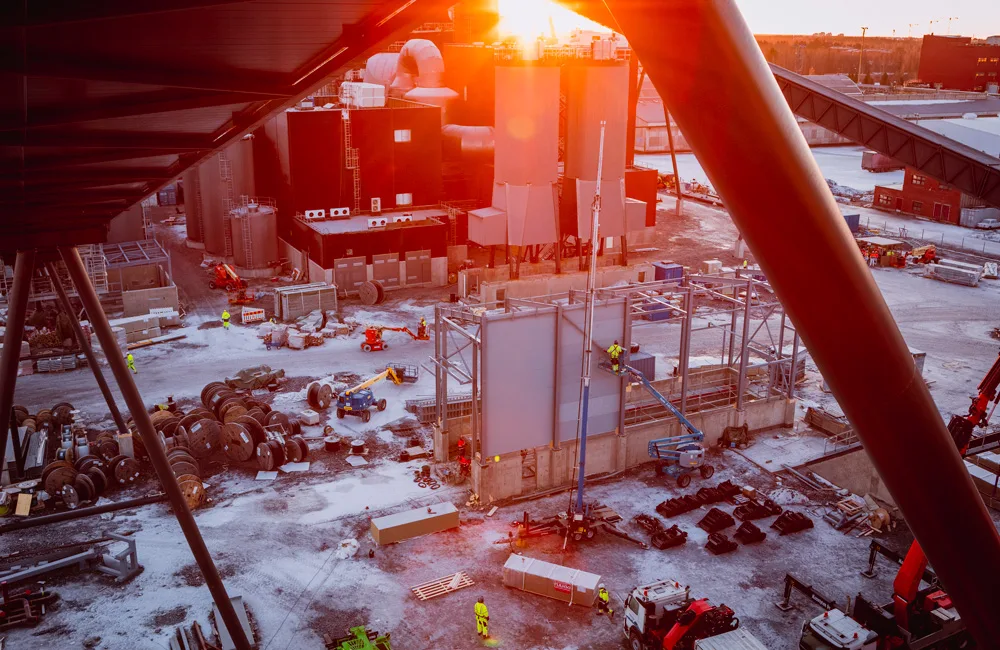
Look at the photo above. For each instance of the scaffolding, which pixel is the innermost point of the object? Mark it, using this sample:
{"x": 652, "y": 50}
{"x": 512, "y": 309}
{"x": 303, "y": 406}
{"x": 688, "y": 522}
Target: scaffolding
{"x": 42, "y": 287}
{"x": 228, "y": 198}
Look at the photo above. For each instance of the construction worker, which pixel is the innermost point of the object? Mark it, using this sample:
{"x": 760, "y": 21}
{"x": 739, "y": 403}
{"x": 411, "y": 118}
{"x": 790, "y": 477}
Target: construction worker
{"x": 603, "y": 602}
{"x": 130, "y": 362}
{"x": 272, "y": 321}
{"x": 464, "y": 464}
{"x": 614, "y": 352}
{"x": 422, "y": 328}
{"x": 482, "y": 618}
{"x": 225, "y": 318}
{"x": 744, "y": 263}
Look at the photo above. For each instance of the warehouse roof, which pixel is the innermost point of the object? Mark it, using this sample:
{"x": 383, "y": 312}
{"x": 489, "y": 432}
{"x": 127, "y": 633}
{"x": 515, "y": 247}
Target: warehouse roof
{"x": 104, "y": 102}
{"x": 359, "y": 223}
{"x": 979, "y": 133}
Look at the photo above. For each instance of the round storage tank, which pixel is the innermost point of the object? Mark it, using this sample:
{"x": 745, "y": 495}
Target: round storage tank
{"x": 192, "y": 207}
{"x": 255, "y": 236}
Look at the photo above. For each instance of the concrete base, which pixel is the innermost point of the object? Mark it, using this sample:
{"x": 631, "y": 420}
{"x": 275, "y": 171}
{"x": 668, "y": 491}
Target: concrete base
{"x": 198, "y": 245}
{"x": 545, "y": 468}
{"x": 266, "y": 272}
{"x": 852, "y": 470}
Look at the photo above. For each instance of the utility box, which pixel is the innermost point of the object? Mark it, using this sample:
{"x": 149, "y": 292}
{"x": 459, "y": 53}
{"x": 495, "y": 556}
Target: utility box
{"x": 414, "y": 523}
{"x": 553, "y": 580}
{"x": 667, "y": 271}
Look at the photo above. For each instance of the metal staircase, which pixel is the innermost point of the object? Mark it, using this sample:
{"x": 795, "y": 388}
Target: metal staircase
{"x": 228, "y": 199}
{"x": 351, "y": 158}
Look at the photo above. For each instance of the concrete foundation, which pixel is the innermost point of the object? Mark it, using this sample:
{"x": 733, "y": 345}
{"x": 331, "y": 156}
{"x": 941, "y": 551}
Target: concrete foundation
{"x": 495, "y": 284}
{"x": 851, "y": 469}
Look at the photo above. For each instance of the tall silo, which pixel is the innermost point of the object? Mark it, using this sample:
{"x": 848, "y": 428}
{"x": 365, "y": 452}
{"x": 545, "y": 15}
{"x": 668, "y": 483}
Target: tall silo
{"x": 526, "y": 159}
{"x": 596, "y": 91}
{"x": 193, "y": 208}
{"x": 255, "y": 236}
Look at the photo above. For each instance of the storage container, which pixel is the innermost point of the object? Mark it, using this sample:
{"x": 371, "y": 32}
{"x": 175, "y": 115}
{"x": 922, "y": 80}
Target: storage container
{"x": 553, "y": 580}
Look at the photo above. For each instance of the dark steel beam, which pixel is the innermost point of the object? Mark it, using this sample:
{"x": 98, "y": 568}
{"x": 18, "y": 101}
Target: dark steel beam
{"x": 81, "y": 339}
{"x": 98, "y": 139}
{"x": 38, "y": 13}
{"x": 103, "y": 175}
{"x": 969, "y": 170}
{"x": 154, "y": 448}
{"x": 10, "y": 356}
{"x": 703, "y": 57}
{"x": 80, "y": 513}
{"x": 159, "y": 101}
{"x": 60, "y": 232}
{"x": 72, "y": 159}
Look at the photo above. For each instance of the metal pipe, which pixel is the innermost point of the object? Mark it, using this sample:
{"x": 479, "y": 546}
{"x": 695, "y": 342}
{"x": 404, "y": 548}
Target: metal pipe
{"x": 155, "y": 450}
{"x": 703, "y": 57}
{"x": 20, "y": 454}
{"x": 741, "y": 383}
{"x": 88, "y": 352}
{"x": 441, "y": 395}
{"x": 556, "y": 395}
{"x": 673, "y": 154}
{"x": 475, "y": 398}
{"x": 795, "y": 360}
{"x": 685, "y": 357}
{"x": 79, "y": 513}
{"x": 17, "y": 307}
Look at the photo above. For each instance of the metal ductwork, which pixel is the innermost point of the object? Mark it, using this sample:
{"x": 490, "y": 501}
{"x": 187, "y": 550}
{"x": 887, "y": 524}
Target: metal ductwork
{"x": 704, "y": 61}
{"x": 420, "y": 75}
{"x": 467, "y": 143}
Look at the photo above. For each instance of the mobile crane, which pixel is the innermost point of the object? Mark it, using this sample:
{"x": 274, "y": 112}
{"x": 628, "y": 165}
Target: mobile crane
{"x": 961, "y": 427}
{"x": 359, "y": 399}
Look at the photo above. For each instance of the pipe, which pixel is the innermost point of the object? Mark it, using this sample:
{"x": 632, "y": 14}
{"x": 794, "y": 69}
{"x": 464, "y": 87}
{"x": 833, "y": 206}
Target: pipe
{"x": 10, "y": 356}
{"x": 419, "y": 64}
{"x": 460, "y": 142}
{"x": 88, "y": 352}
{"x": 79, "y": 513}
{"x": 702, "y": 55}
{"x": 155, "y": 450}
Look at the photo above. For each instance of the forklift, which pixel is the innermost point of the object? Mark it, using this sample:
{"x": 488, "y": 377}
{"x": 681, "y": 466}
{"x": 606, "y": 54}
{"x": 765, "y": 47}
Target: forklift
{"x": 359, "y": 399}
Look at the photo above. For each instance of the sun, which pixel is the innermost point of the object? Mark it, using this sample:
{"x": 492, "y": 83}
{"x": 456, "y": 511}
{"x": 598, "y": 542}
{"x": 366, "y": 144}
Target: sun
{"x": 529, "y": 19}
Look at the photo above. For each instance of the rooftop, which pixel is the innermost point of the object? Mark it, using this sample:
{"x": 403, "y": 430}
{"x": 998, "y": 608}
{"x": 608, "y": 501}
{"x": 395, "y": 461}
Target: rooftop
{"x": 982, "y": 134}
{"x": 359, "y": 223}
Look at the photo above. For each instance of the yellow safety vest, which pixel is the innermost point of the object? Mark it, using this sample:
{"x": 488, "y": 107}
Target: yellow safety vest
{"x": 225, "y": 315}
{"x": 614, "y": 351}
{"x": 603, "y": 595}
{"x": 481, "y": 611}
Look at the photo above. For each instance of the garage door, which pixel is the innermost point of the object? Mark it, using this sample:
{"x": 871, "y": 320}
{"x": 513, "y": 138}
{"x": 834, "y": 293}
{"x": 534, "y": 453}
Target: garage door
{"x": 385, "y": 269}
{"x": 418, "y": 267}
{"x": 349, "y": 274}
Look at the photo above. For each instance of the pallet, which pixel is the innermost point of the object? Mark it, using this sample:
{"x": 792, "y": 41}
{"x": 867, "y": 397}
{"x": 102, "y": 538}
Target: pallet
{"x": 442, "y": 586}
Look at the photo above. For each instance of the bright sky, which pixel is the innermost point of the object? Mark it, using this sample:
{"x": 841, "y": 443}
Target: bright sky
{"x": 979, "y": 18}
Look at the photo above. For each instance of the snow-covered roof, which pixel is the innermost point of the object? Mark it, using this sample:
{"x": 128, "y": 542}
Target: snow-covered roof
{"x": 982, "y": 133}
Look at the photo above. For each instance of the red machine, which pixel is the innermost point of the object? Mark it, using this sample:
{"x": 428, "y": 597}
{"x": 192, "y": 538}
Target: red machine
{"x": 979, "y": 412}
{"x": 373, "y": 336}
{"x": 225, "y": 277}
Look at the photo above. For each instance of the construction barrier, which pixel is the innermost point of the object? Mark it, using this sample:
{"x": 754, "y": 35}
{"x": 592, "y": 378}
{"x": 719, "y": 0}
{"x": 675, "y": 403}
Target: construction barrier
{"x": 252, "y": 315}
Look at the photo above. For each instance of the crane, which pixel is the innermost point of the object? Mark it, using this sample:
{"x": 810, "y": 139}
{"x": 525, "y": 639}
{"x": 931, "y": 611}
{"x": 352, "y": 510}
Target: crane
{"x": 980, "y": 412}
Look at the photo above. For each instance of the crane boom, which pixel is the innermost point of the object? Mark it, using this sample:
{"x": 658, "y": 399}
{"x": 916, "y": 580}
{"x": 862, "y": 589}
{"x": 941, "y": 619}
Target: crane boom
{"x": 388, "y": 372}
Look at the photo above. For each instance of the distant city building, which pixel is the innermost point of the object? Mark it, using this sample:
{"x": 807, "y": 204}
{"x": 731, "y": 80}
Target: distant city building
{"x": 959, "y": 63}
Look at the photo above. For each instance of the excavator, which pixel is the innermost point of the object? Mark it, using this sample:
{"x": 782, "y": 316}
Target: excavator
{"x": 373, "y": 335}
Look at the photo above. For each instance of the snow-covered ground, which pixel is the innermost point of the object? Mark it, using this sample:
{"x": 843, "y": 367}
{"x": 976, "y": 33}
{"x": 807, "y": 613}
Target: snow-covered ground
{"x": 840, "y": 164}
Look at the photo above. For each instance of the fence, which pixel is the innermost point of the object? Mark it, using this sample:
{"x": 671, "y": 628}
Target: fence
{"x": 970, "y": 243}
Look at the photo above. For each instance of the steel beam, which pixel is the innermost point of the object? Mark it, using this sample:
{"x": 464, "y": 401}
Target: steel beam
{"x": 88, "y": 352}
{"x": 154, "y": 448}
{"x": 10, "y": 356}
{"x": 725, "y": 99}
{"x": 38, "y": 13}
{"x": 94, "y": 139}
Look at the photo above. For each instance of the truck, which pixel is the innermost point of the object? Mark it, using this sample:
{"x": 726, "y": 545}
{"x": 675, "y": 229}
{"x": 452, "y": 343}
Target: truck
{"x": 664, "y": 615}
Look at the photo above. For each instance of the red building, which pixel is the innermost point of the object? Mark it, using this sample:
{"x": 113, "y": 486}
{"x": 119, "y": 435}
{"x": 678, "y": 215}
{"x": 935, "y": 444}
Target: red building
{"x": 959, "y": 63}
{"x": 921, "y": 195}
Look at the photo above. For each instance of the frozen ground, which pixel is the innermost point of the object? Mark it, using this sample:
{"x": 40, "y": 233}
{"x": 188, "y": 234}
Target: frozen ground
{"x": 275, "y": 542}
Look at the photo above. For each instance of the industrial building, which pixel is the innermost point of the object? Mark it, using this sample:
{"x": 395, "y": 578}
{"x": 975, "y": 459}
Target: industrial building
{"x": 925, "y": 196}
{"x": 425, "y": 352}
{"x": 960, "y": 63}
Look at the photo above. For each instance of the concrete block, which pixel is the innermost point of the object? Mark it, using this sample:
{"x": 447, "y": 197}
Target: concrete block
{"x": 309, "y": 416}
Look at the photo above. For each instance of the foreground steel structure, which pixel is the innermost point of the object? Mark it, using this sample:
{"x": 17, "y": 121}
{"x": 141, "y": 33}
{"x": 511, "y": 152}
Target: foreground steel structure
{"x": 103, "y": 102}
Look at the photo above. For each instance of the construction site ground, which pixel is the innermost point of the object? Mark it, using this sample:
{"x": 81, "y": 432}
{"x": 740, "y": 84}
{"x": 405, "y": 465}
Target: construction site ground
{"x": 276, "y": 542}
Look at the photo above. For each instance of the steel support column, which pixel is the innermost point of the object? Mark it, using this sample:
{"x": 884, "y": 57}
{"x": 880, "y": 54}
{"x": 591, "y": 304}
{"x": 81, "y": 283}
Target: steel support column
{"x": 684, "y": 361}
{"x": 157, "y": 454}
{"x": 88, "y": 352}
{"x": 10, "y": 356}
{"x": 701, "y": 55}
{"x": 741, "y": 382}
{"x": 441, "y": 395}
{"x": 795, "y": 360}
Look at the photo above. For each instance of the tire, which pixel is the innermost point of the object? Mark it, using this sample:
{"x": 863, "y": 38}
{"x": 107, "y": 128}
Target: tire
{"x": 381, "y": 404}
{"x": 366, "y": 415}
{"x": 212, "y": 285}
{"x": 635, "y": 641}
{"x": 385, "y": 346}
{"x": 590, "y": 533}
{"x": 366, "y": 347}
{"x": 707, "y": 471}
{"x": 683, "y": 480}
{"x": 230, "y": 287}
{"x": 341, "y": 413}
{"x": 577, "y": 537}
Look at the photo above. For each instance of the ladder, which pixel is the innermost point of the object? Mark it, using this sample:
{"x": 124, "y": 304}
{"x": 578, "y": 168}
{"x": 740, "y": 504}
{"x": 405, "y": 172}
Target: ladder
{"x": 244, "y": 220}
{"x": 228, "y": 198}
{"x": 351, "y": 158}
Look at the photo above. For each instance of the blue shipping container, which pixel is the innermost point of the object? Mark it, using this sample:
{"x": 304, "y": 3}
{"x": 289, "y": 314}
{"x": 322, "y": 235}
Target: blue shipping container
{"x": 853, "y": 222}
{"x": 667, "y": 271}
{"x": 644, "y": 363}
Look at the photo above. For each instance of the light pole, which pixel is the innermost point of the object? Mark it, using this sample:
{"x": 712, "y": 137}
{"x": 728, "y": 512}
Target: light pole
{"x": 930, "y": 25}
{"x": 951, "y": 18}
{"x": 909, "y": 30}
{"x": 861, "y": 57}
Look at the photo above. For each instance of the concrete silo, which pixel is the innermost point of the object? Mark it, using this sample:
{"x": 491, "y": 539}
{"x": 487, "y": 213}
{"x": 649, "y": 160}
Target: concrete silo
{"x": 255, "y": 236}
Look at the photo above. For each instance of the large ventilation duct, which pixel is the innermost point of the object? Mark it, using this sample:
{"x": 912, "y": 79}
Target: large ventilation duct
{"x": 702, "y": 57}
{"x": 420, "y": 75}
{"x": 381, "y": 68}
{"x": 467, "y": 143}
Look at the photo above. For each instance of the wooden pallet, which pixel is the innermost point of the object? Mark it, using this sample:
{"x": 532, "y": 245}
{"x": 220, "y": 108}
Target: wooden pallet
{"x": 442, "y": 586}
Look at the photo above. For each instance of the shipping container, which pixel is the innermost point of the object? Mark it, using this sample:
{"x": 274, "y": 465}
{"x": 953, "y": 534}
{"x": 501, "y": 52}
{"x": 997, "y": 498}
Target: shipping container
{"x": 878, "y": 163}
{"x": 552, "y": 580}
{"x": 853, "y": 222}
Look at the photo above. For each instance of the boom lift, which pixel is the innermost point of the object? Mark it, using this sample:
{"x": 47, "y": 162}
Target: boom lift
{"x": 979, "y": 415}
{"x": 359, "y": 399}
{"x": 373, "y": 336}
{"x": 663, "y": 615}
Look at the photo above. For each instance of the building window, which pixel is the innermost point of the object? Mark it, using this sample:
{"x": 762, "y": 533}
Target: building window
{"x": 918, "y": 179}
{"x": 981, "y": 59}
{"x": 404, "y": 199}
{"x": 995, "y": 59}
{"x": 918, "y": 207}
{"x": 991, "y": 74}
{"x": 402, "y": 135}
{"x": 884, "y": 199}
